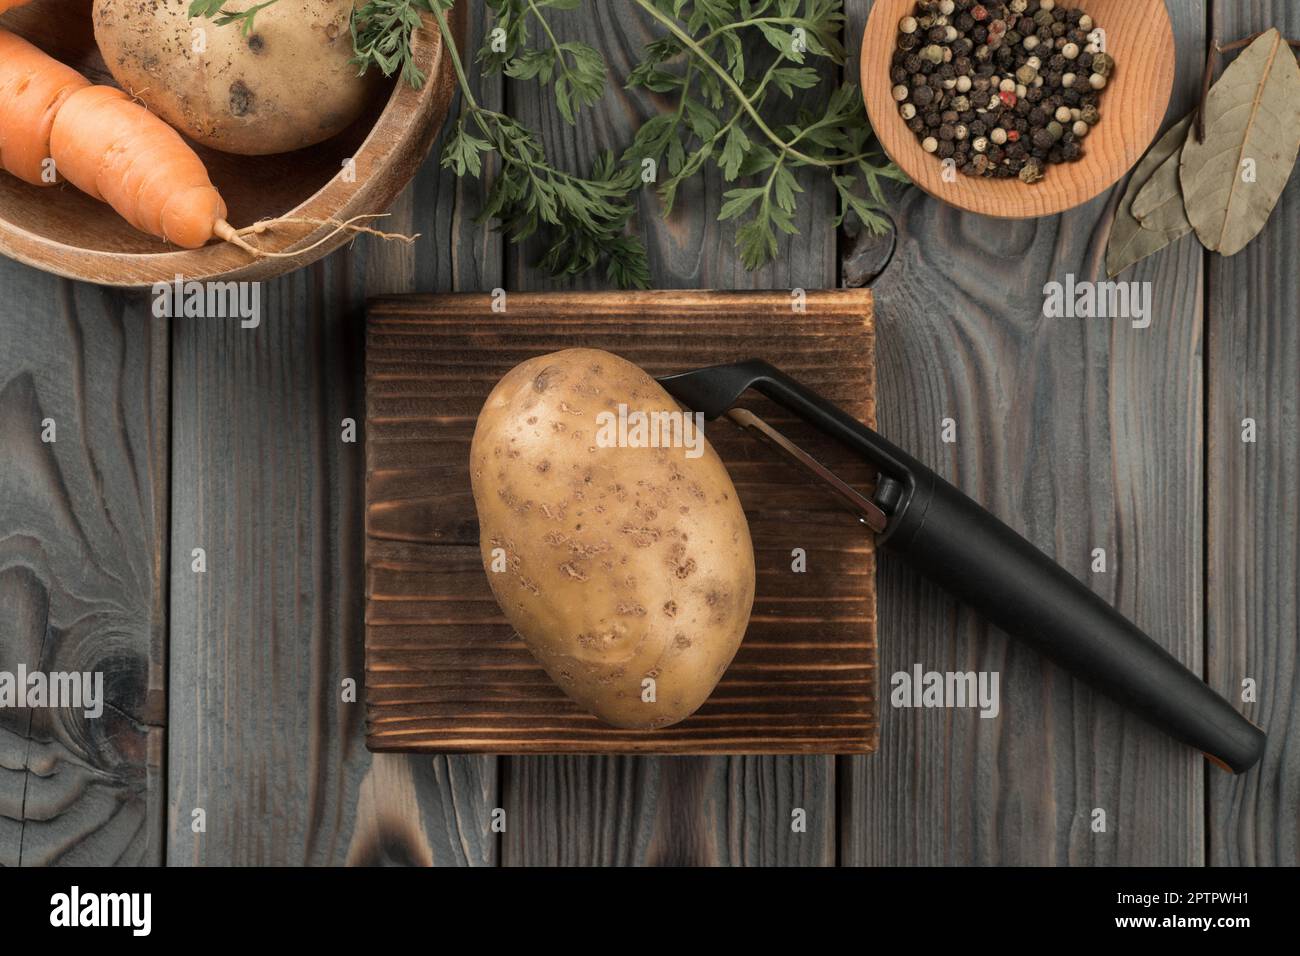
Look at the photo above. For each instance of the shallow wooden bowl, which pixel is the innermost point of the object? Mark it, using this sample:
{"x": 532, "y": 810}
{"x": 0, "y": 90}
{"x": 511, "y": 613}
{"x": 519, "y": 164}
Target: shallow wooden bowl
{"x": 61, "y": 230}
{"x": 1139, "y": 36}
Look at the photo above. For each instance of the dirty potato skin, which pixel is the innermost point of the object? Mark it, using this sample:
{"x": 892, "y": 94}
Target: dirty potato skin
{"x": 619, "y": 563}
{"x": 285, "y": 86}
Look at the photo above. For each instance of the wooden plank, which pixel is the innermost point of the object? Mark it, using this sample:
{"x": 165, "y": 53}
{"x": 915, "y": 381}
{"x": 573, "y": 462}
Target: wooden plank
{"x": 83, "y": 538}
{"x": 261, "y": 642}
{"x": 1253, "y": 572}
{"x": 583, "y": 800}
{"x": 1081, "y": 433}
{"x": 444, "y": 669}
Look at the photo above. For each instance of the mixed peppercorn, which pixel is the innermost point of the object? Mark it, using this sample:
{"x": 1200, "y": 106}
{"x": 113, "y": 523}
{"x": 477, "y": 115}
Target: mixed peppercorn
{"x": 1000, "y": 87}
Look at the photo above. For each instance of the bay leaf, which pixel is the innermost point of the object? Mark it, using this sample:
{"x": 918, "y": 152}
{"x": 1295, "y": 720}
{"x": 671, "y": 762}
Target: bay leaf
{"x": 1252, "y": 123}
{"x": 1159, "y": 203}
{"x": 1130, "y": 240}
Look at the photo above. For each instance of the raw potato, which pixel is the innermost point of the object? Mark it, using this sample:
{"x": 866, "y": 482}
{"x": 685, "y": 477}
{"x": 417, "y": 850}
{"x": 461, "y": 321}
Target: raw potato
{"x": 620, "y": 563}
{"x": 287, "y": 85}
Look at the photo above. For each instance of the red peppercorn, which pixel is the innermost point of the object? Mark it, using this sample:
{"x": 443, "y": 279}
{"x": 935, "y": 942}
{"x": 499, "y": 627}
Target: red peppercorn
{"x": 1013, "y": 135}
{"x": 979, "y": 13}
{"x": 1008, "y": 99}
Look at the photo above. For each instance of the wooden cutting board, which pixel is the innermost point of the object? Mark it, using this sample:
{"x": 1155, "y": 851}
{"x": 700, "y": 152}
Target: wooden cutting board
{"x": 446, "y": 673}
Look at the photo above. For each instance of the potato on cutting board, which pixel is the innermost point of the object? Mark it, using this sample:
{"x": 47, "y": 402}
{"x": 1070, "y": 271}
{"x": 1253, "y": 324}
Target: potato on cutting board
{"x": 626, "y": 568}
{"x": 286, "y": 85}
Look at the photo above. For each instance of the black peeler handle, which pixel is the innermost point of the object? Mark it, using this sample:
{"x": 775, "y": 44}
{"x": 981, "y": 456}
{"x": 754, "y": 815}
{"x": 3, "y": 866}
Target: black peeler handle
{"x": 960, "y": 546}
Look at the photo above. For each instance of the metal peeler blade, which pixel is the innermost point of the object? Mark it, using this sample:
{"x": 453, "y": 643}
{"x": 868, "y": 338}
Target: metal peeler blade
{"x": 868, "y": 511}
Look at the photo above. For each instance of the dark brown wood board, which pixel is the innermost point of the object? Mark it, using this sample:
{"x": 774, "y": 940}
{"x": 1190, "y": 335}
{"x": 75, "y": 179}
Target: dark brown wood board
{"x": 445, "y": 673}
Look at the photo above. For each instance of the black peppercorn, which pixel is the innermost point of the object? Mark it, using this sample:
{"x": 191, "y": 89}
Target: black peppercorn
{"x": 985, "y": 79}
{"x": 1071, "y": 151}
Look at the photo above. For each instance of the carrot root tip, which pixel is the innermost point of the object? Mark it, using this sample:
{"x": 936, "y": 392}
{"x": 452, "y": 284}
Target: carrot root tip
{"x": 223, "y": 230}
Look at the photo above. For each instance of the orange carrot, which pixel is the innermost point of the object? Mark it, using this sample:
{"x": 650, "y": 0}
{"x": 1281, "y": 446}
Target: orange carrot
{"x": 33, "y": 86}
{"x": 114, "y": 149}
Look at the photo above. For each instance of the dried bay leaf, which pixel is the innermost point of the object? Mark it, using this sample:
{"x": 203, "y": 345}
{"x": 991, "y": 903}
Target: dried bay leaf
{"x": 1131, "y": 240}
{"x": 1163, "y": 188}
{"x": 1252, "y": 117}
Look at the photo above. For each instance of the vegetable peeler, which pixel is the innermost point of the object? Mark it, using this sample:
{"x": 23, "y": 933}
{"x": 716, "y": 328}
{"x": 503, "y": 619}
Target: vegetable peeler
{"x": 956, "y": 543}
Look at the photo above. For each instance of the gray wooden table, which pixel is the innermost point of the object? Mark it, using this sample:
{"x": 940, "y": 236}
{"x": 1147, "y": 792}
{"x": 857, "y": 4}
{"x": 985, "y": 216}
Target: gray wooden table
{"x": 224, "y": 686}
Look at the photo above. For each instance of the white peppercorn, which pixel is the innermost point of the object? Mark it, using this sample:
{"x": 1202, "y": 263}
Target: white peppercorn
{"x": 1085, "y": 22}
{"x": 998, "y": 135}
{"x": 1080, "y": 128}
{"x": 929, "y": 144}
{"x": 1070, "y": 51}
{"x": 1008, "y": 85}
{"x": 907, "y": 110}
{"x": 1048, "y": 5}
{"x": 907, "y": 25}
{"x": 963, "y": 84}
{"x": 1097, "y": 81}
{"x": 1063, "y": 114}
{"x": 900, "y": 92}
{"x": 1031, "y": 42}
{"x": 1068, "y": 80}
{"x": 946, "y": 7}
{"x": 979, "y": 144}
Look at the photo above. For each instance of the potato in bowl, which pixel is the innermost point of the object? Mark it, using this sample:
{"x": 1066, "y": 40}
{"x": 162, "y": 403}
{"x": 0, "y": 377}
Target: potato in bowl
{"x": 286, "y": 84}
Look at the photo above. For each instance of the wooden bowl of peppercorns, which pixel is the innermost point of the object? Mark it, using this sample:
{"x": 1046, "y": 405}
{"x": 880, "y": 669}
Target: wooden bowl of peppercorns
{"x": 1017, "y": 108}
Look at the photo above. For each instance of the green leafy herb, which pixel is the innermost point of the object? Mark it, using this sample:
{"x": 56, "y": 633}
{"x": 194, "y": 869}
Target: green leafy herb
{"x": 213, "y": 9}
{"x": 733, "y": 70}
{"x": 576, "y": 69}
{"x": 585, "y": 218}
{"x": 725, "y": 113}
{"x": 381, "y": 37}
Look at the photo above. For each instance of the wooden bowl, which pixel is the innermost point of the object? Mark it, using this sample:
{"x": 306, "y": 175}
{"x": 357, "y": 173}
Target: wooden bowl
{"x": 1140, "y": 38}
{"x": 61, "y": 230}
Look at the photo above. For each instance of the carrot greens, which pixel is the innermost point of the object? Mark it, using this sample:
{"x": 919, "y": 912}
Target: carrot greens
{"x": 742, "y": 81}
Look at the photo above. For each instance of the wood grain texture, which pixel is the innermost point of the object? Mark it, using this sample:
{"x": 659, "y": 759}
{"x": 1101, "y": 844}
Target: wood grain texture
{"x": 1080, "y": 433}
{"x": 83, "y": 537}
{"x": 1253, "y": 568}
{"x": 446, "y": 672}
{"x": 262, "y": 641}
{"x": 689, "y": 250}
{"x": 1133, "y": 105}
{"x": 64, "y": 231}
